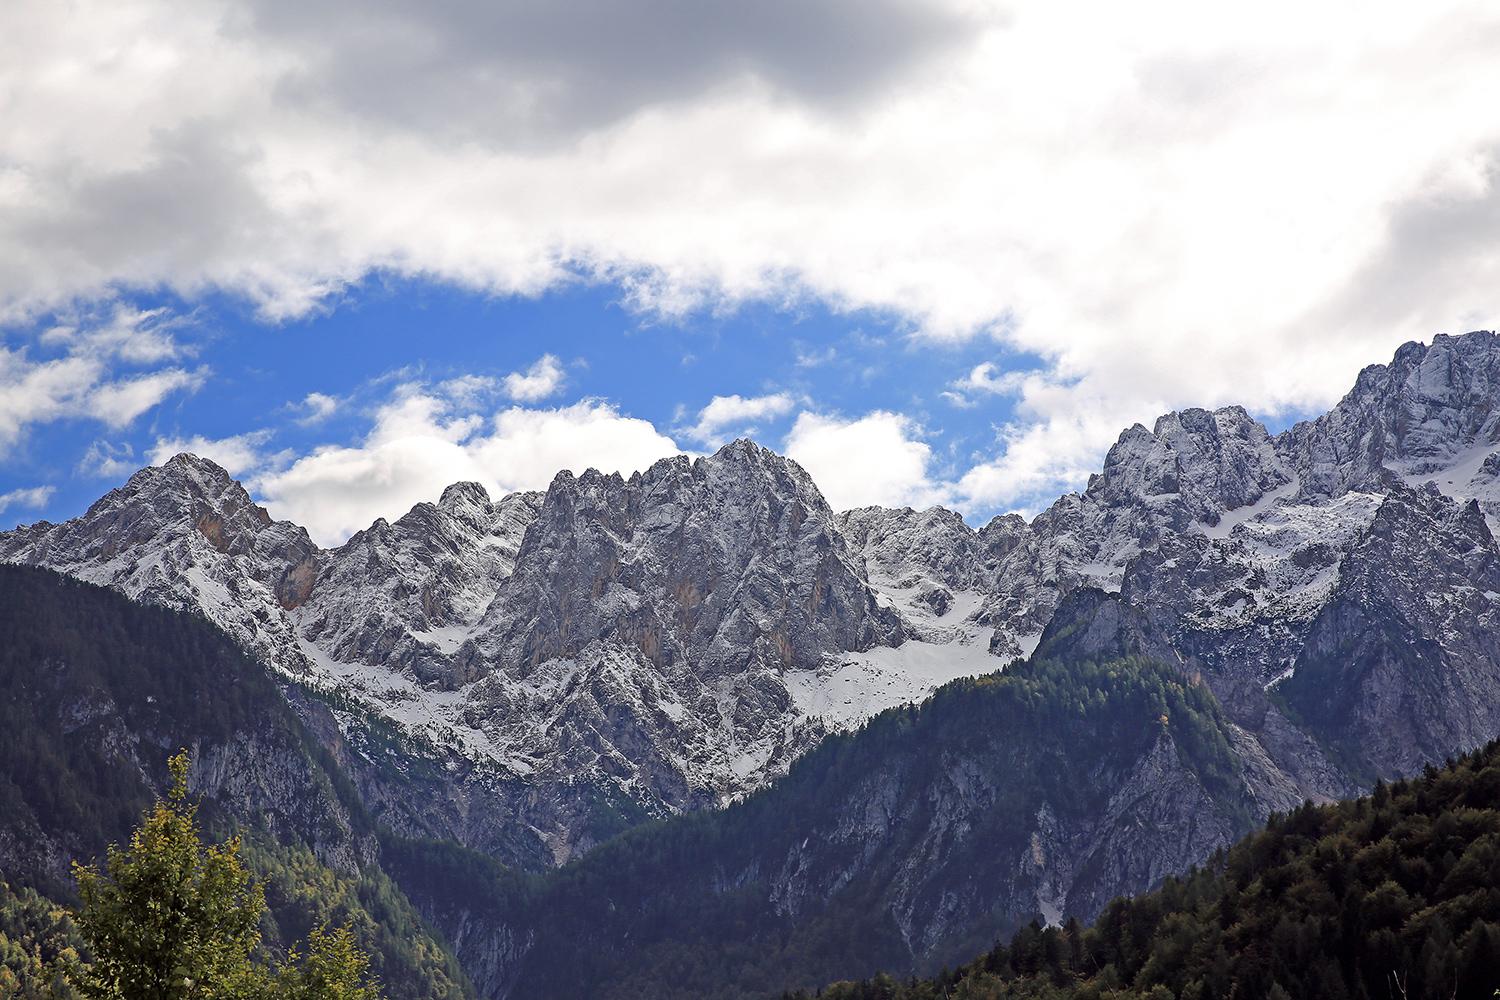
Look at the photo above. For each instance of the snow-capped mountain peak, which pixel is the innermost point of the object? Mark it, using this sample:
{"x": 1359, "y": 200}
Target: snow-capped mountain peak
{"x": 612, "y": 647}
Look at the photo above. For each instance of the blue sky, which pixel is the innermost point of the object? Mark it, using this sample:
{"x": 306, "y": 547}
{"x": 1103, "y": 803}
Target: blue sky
{"x": 939, "y": 251}
{"x": 281, "y": 390}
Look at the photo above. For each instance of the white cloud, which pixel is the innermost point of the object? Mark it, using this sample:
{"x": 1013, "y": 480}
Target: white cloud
{"x": 139, "y": 336}
{"x": 985, "y": 380}
{"x": 1168, "y": 203}
{"x": 815, "y": 359}
{"x": 725, "y": 416}
{"x": 41, "y": 392}
{"x": 104, "y": 460}
{"x": 543, "y": 379}
{"x": 36, "y": 498}
{"x": 319, "y": 407}
{"x": 469, "y": 391}
{"x": 118, "y": 403}
{"x": 1037, "y": 460}
{"x": 238, "y": 455}
{"x": 528, "y": 447}
{"x": 423, "y": 440}
{"x": 91, "y": 379}
{"x": 859, "y": 463}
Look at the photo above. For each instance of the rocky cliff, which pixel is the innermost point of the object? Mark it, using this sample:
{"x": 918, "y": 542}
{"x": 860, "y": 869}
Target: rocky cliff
{"x": 1043, "y": 791}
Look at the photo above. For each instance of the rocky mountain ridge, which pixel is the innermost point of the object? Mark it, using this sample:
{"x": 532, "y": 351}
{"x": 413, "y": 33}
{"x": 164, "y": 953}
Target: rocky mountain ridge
{"x": 555, "y": 665}
{"x": 530, "y": 674}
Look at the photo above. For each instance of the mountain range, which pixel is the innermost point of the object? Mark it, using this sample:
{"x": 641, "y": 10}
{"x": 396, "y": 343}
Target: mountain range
{"x": 545, "y": 678}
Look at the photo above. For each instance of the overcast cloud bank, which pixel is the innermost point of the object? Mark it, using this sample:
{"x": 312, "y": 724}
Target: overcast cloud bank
{"x": 1170, "y": 203}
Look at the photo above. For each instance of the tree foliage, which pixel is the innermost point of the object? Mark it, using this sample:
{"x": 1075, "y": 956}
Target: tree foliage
{"x": 172, "y": 919}
{"x": 36, "y": 937}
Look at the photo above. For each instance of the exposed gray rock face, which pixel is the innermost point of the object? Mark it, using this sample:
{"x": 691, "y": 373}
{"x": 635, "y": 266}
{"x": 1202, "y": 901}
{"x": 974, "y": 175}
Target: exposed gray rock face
{"x": 1244, "y": 549}
{"x": 491, "y": 954}
{"x": 186, "y": 536}
{"x": 1193, "y": 466}
{"x": 646, "y": 634}
{"x": 1402, "y": 666}
{"x": 1092, "y": 623}
{"x": 1190, "y": 471}
{"x": 1419, "y": 415}
{"x": 267, "y": 778}
{"x": 724, "y": 567}
{"x": 932, "y": 553}
{"x": 396, "y": 595}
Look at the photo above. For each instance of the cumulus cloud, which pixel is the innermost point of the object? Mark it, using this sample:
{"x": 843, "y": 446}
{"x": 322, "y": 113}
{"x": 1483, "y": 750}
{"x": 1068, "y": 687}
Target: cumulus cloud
{"x": 543, "y": 379}
{"x": 875, "y": 460}
{"x": 1034, "y": 461}
{"x": 1437, "y": 244}
{"x": 138, "y": 336}
{"x": 238, "y": 454}
{"x": 726, "y": 416}
{"x": 1167, "y": 203}
{"x": 984, "y": 380}
{"x": 318, "y": 407}
{"x": 118, "y": 403}
{"x": 422, "y": 440}
{"x": 36, "y": 498}
{"x": 106, "y": 460}
{"x": 93, "y": 378}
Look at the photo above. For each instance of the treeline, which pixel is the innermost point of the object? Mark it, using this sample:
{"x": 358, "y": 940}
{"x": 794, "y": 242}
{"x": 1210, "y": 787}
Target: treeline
{"x": 1394, "y": 895}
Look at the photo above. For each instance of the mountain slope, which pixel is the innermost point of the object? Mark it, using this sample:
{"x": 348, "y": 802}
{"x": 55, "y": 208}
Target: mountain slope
{"x": 1390, "y": 895}
{"x": 1042, "y": 790}
{"x": 97, "y": 691}
{"x": 530, "y": 676}
{"x": 561, "y": 664}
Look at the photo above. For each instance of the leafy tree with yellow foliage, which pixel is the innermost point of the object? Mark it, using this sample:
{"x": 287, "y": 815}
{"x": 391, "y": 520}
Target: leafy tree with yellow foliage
{"x": 173, "y": 919}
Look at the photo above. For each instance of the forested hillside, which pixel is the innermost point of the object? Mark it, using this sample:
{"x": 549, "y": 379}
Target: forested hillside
{"x": 96, "y": 692}
{"x": 892, "y": 847}
{"x": 35, "y": 933}
{"x": 1396, "y": 894}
